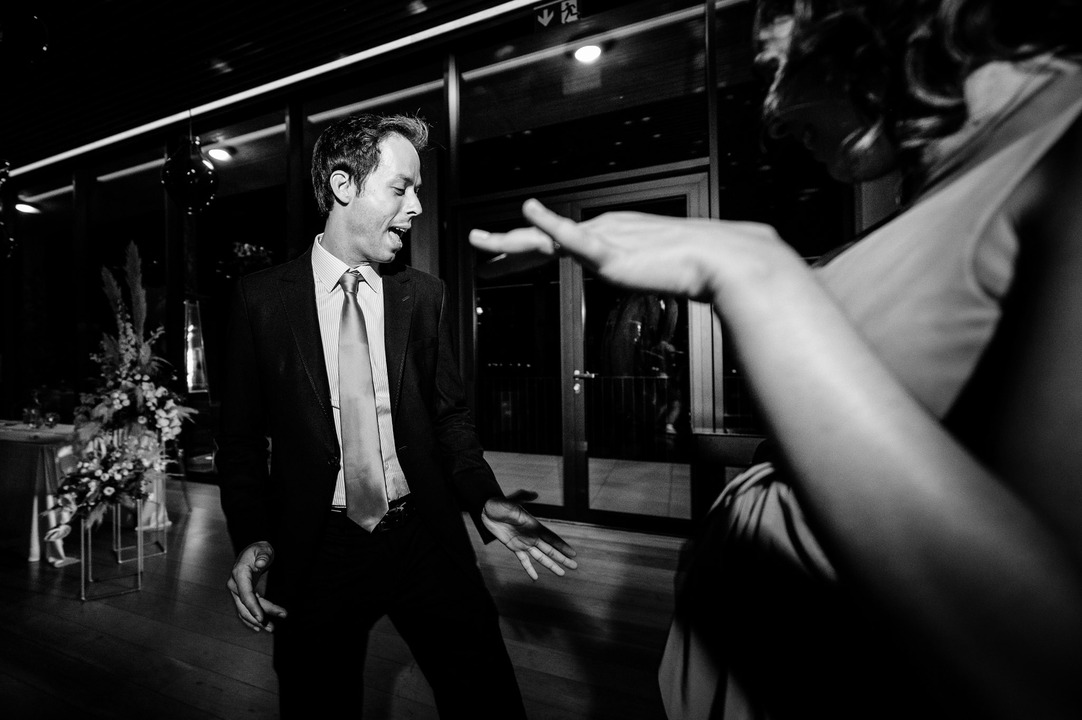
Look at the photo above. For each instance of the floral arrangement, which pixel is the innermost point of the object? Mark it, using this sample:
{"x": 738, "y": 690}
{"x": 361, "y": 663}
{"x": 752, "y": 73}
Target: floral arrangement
{"x": 245, "y": 258}
{"x": 123, "y": 428}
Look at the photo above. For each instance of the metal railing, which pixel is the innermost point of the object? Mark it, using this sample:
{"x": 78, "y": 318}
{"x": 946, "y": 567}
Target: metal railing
{"x": 627, "y": 417}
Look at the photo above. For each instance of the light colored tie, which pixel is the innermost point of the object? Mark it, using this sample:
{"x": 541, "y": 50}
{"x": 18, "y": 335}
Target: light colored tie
{"x": 362, "y": 458}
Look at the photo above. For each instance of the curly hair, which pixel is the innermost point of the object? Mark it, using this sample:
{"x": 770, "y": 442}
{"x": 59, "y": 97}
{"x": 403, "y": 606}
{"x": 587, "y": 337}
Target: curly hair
{"x": 904, "y": 62}
{"x": 352, "y": 144}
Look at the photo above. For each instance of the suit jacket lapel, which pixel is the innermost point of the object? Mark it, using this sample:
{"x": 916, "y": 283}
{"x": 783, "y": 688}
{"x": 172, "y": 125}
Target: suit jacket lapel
{"x": 397, "y": 319}
{"x": 298, "y": 295}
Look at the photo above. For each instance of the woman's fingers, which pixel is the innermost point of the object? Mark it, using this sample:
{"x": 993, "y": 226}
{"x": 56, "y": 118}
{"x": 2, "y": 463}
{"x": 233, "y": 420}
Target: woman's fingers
{"x": 557, "y": 226}
{"x": 551, "y": 234}
{"x": 520, "y": 240}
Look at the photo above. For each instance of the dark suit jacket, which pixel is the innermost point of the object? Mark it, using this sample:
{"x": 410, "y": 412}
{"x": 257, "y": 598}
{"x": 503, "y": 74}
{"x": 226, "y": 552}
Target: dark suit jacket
{"x": 276, "y": 389}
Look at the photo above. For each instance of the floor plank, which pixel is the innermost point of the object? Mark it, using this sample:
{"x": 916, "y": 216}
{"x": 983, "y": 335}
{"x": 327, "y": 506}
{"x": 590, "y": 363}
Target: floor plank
{"x": 584, "y": 646}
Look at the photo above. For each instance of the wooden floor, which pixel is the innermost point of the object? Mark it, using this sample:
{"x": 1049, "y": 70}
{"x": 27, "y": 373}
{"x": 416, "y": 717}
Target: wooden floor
{"x": 584, "y": 646}
{"x": 661, "y": 489}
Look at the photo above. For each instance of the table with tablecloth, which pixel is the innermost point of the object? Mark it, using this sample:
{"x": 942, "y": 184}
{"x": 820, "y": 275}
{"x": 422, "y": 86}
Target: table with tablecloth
{"x": 31, "y": 459}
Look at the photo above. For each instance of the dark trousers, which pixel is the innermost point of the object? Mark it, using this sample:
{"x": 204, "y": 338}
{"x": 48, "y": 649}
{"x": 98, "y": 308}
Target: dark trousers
{"x": 443, "y": 612}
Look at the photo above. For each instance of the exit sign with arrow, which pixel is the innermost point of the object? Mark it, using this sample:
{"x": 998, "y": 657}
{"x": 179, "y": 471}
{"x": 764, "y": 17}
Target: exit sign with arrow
{"x": 557, "y": 12}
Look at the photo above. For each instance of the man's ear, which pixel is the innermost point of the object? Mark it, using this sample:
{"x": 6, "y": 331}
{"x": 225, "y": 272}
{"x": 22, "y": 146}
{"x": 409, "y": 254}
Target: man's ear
{"x": 342, "y": 186}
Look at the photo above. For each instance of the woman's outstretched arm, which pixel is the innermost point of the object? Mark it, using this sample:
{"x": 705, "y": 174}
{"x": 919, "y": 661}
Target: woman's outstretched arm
{"x": 984, "y": 583}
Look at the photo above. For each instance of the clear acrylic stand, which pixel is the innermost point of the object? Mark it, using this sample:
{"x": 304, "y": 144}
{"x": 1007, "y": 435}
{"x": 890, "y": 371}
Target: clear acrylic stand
{"x": 129, "y": 553}
{"x": 96, "y": 583}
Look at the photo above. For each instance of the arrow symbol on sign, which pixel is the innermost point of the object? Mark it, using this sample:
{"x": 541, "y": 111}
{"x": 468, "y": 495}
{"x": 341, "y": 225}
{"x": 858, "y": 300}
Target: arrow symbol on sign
{"x": 545, "y": 18}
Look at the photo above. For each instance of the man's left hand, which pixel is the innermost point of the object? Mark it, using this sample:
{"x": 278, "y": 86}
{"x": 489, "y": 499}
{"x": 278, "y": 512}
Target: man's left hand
{"x": 525, "y": 536}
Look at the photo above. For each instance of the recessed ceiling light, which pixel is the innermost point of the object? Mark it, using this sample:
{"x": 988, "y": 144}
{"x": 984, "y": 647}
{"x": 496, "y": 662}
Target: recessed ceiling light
{"x": 221, "y": 153}
{"x": 588, "y": 53}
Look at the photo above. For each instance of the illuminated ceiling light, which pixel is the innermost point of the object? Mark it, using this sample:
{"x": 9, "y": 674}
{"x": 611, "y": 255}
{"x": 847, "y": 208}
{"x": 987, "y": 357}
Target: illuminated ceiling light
{"x": 588, "y": 53}
{"x": 438, "y": 31}
{"x": 223, "y": 153}
{"x": 27, "y": 208}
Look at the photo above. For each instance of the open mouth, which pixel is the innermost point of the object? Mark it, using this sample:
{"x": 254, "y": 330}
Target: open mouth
{"x": 400, "y": 231}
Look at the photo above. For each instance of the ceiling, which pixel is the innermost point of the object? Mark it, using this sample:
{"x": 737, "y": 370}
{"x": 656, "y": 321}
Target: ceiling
{"x": 75, "y": 73}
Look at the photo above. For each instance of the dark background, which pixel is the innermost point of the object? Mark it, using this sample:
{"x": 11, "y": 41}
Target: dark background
{"x": 112, "y": 65}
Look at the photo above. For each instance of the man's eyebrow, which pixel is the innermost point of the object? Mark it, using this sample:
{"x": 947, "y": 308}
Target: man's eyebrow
{"x": 408, "y": 180}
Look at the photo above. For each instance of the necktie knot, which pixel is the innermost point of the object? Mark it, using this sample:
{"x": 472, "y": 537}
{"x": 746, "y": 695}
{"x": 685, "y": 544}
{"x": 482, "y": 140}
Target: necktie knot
{"x": 350, "y": 281}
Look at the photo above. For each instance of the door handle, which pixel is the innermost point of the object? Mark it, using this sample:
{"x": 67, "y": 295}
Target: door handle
{"x": 579, "y": 376}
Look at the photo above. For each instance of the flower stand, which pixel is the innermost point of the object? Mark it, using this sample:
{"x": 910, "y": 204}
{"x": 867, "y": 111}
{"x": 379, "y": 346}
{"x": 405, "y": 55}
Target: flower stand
{"x": 150, "y": 518}
{"x": 100, "y": 574}
{"x": 124, "y": 430}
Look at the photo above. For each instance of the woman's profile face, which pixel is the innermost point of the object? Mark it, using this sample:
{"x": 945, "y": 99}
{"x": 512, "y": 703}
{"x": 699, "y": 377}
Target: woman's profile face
{"x": 813, "y": 108}
{"x": 811, "y": 103}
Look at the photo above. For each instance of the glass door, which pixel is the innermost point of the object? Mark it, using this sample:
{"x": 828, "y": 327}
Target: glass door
{"x": 635, "y": 382}
{"x": 520, "y": 306}
{"x": 583, "y": 387}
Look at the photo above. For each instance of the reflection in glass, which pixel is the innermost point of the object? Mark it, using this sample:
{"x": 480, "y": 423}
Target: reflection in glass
{"x": 764, "y": 179}
{"x": 532, "y": 114}
{"x": 41, "y": 364}
{"x": 518, "y": 412}
{"x": 243, "y": 230}
{"x": 637, "y": 422}
{"x": 195, "y": 356}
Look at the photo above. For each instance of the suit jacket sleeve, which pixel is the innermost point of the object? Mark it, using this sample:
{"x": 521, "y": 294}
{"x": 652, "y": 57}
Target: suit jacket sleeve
{"x": 242, "y": 453}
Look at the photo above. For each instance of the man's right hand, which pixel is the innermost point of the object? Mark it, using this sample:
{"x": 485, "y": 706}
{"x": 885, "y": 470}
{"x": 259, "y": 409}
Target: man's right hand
{"x": 246, "y": 585}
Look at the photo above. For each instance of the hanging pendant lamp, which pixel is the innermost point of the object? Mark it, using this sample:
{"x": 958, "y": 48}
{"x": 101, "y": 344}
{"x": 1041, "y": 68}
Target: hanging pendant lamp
{"x": 189, "y": 177}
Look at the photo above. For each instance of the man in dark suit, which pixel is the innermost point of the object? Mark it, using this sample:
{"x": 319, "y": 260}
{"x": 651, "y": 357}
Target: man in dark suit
{"x": 334, "y": 572}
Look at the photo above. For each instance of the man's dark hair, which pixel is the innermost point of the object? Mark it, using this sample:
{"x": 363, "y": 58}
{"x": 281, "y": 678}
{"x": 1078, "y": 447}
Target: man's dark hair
{"x": 352, "y": 144}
